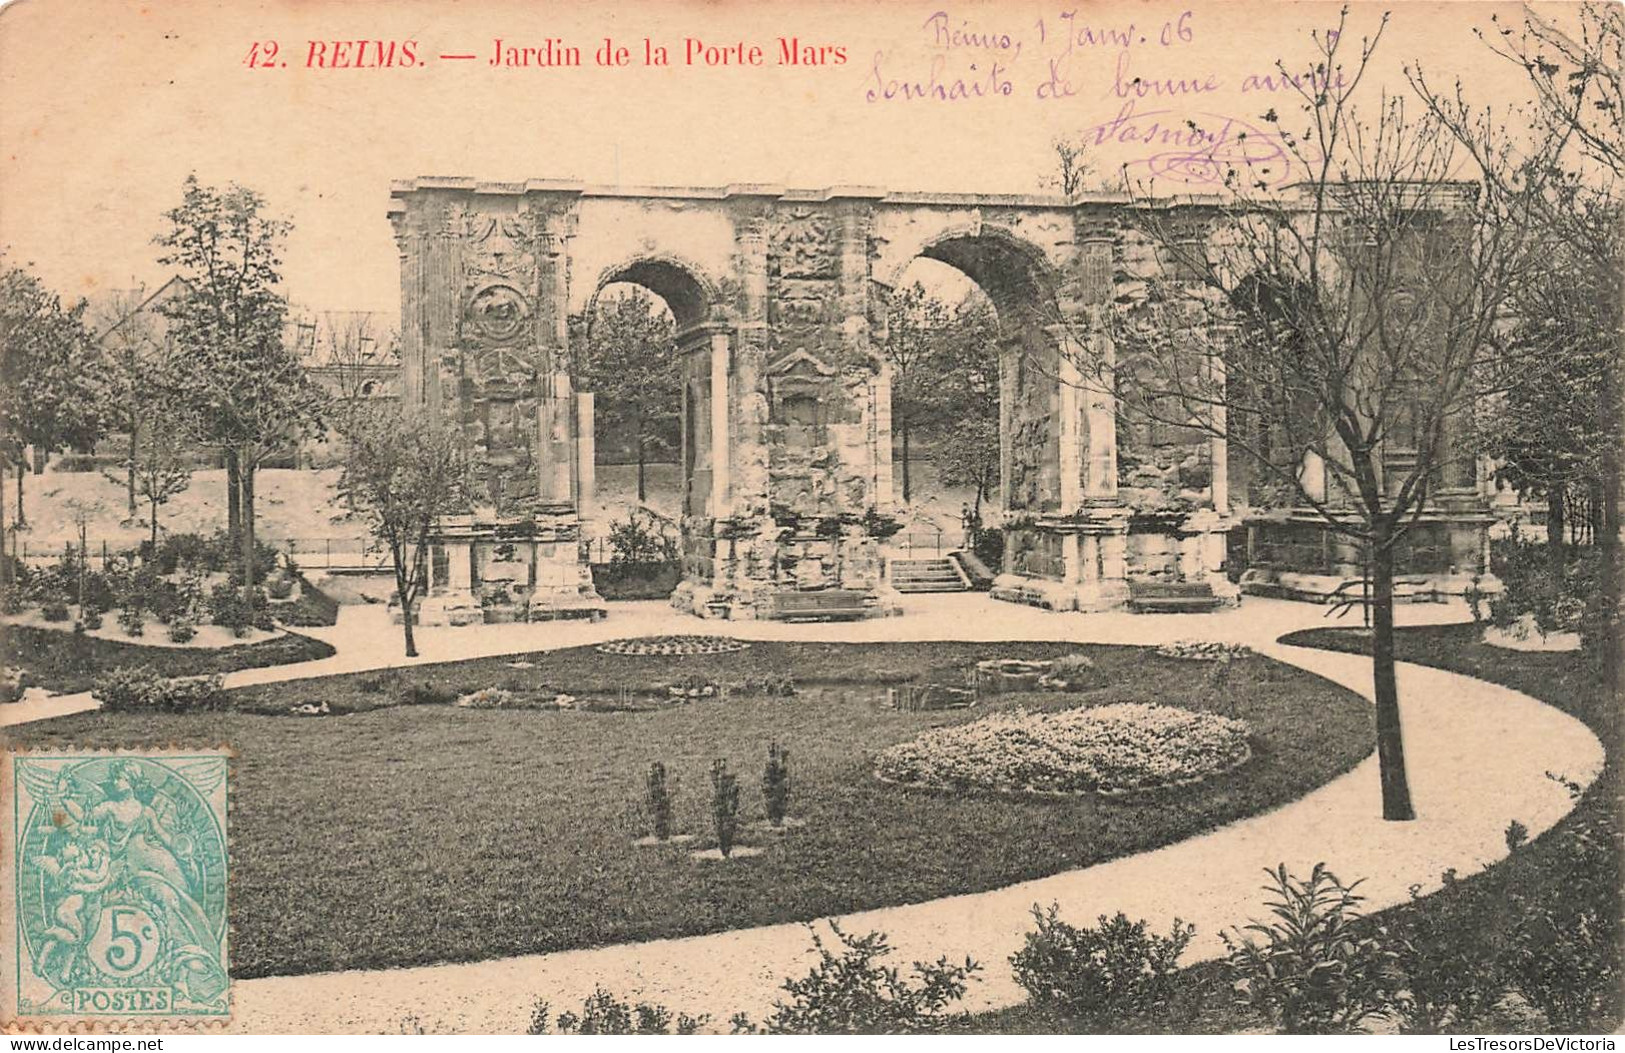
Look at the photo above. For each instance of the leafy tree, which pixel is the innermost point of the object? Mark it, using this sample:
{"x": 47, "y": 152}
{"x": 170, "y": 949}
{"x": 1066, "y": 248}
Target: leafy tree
{"x": 1572, "y": 310}
{"x": 161, "y": 464}
{"x": 403, "y": 473}
{"x": 631, "y": 365}
{"x": 47, "y": 369}
{"x": 966, "y": 370}
{"x": 131, "y": 342}
{"x": 1350, "y": 314}
{"x": 917, "y": 329}
{"x": 249, "y": 393}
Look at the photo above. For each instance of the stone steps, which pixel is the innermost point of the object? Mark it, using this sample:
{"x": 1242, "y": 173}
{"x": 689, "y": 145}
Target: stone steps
{"x": 927, "y": 575}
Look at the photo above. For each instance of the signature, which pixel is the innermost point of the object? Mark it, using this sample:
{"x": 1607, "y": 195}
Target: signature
{"x": 1199, "y": 149}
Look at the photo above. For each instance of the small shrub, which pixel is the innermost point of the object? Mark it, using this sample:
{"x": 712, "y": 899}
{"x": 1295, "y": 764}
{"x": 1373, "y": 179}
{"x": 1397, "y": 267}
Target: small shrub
{"x": 229, "y": 610}
{"x": 280, "y": 587}
{"x": 776, "y": 783}
{"x": 428, "y": 694}
{"x": 1309, "y": 971}
{"x": 487, "y": 698}
{"x": 375, "y": 684}
{"x": 604, "y": 1014}
{"x": 139, "y": 688}
{"x": 182, "y": 630}
{"x": 724, "y": 805}
{"x": 1517, "y": 835}
{"x": 313, "y": 607}
{"x": 54, "y": 611}
{"x": 855, "y": 993}
{"x": 132, "y": 620}
{"x": 91, "y": 617}
{"x": 1452, "y": 976}
{"x": 658, "y": 797}
{"x": 1100, "y": 975}
{"x": 640, "y": 540}
{"x": 774, "y": 685}
{"x": 13, "y": 682}
{"x": 1071, "y": 666}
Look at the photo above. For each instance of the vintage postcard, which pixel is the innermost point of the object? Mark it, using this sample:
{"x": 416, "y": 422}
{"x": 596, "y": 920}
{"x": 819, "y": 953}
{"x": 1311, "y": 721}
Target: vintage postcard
{"x": 824, "y": 517}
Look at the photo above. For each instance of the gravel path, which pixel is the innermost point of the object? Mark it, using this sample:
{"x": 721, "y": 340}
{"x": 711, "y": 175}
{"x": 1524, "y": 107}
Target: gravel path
{"x": 1478, "y": 755}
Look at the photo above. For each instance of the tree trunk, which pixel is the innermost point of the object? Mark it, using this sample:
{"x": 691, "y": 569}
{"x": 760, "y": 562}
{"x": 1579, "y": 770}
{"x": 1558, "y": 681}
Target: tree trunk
{"x": 1396, "y": 791}
{"x": 642, "y": 490}
{"x": 22, "y": 470}
{"x": 233, "y": 497}
{"x": 405, "y": 593}
{"x": 1608, "y": 521}
{"x": 5, "y": 561}
{"x": 154, "y": 528}
{"x": 245, "y": 525}
{"x": 1556, "y": 517}
{"x": 908, "y": 489}
{"x": 129, "y": 471}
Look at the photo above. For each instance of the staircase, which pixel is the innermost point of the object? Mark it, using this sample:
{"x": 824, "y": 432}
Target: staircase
{"x": 928, "y": 575}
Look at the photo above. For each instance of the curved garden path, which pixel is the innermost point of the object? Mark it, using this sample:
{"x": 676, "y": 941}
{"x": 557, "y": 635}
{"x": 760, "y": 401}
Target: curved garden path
{"x": 1478, "y": 755}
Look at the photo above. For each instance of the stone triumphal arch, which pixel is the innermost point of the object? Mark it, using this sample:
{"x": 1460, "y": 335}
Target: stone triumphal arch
{"x": 780, "y": 302}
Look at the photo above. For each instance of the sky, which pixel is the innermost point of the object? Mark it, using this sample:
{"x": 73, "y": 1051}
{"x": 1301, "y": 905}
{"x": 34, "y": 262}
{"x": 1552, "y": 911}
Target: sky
{"x": 107, "y": 105}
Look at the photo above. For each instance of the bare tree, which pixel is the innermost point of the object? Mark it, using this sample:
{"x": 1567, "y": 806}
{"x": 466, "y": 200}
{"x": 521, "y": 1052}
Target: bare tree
{"x": 1334, "y": 333}
{"x": 1072, "y": 166}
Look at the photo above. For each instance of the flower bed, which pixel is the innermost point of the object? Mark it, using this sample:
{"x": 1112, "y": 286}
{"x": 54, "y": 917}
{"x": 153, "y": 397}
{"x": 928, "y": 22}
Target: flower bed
{"x": 673, "y": 645}
{"x": 1120, "y": 748}
{"x": 1205, "y": 651}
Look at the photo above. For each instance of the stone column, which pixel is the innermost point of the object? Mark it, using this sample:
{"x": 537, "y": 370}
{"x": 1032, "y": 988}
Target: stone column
{"x": 1101, "y": 416}
{"x": 1073, "y": 430}
{"x": 720, "y": 447}
{"x": 586, "y": 454}
{"x": 747, "y": 396}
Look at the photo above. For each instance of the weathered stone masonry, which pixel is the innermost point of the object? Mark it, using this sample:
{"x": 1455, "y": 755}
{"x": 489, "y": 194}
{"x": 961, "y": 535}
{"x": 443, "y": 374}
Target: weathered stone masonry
{"x": 780, "y": 298}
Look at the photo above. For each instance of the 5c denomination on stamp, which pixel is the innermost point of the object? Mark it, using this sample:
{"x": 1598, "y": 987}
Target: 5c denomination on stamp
{"x": 114, "y": 888}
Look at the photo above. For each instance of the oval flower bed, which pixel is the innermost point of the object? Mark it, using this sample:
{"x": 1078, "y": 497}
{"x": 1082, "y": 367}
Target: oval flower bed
{"x": 1120, "y": 748}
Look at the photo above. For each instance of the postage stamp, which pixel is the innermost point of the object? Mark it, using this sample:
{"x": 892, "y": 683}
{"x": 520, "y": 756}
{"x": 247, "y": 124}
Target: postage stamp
{"x": 115, "y": 887}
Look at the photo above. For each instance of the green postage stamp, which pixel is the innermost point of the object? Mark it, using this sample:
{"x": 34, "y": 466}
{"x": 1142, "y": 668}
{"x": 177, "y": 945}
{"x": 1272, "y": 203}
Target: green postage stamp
{"x": 115, "y": 887}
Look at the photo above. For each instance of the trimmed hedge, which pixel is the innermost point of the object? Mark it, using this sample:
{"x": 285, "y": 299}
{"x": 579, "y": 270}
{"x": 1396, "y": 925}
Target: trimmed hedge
{"x": 636, "y": 581}
{"x": 313, "y": 607}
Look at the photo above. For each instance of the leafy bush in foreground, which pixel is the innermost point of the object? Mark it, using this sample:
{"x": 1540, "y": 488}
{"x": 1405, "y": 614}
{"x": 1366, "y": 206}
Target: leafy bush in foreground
{"x": 1100, "y": 975}
{"x": 853, "y": 993}
{"x": 138, "y": 688}
{"x": 1309, "y": 971}
{"x": 604, "y": 1014}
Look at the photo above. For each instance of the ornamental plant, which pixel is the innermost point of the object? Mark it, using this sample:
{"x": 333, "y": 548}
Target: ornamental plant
{"x": 856, "y": 993}
{"x": 1309, "y": 970}
{"x": 1102, "y": 975}
{"x": 724, "y": 805}
{"x": 776, "y": 784}
{"x": 659, "y": 802}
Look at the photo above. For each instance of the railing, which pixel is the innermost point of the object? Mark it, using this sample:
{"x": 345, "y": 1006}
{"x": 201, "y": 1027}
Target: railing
{"x": 918, "y": 542}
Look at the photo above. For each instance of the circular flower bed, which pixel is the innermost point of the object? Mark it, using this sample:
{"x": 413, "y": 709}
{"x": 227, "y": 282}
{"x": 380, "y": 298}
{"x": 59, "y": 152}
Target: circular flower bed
{"x": 1120, "y": 748}
{"x": 673, "y": 645}
{"x": 1204, "y": 651}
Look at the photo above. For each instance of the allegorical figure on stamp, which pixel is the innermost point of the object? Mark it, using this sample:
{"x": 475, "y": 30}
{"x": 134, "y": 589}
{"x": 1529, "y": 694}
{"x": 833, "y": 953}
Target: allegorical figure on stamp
{"x": 123, "y": 870}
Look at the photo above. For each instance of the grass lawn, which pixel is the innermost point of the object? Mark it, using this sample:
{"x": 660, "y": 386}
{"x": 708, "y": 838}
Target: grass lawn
{"x": 401, "y": 835}
{"x": 63, "y": 661}
{"x": 1571, "y": 874}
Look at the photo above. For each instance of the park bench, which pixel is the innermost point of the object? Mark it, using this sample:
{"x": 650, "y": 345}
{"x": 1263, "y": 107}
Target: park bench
{"x": 818, "y": 605}
{"x": 1171, "y": 597}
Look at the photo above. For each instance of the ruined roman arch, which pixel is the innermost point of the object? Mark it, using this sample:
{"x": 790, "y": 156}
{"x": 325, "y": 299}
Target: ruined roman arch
{"x": 779, "y": 297}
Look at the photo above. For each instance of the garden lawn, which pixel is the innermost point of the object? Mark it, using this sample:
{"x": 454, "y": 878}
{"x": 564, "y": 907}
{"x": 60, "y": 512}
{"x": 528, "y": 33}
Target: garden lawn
{"x": 62, "y": 661}
{"x": 403, "y": 835}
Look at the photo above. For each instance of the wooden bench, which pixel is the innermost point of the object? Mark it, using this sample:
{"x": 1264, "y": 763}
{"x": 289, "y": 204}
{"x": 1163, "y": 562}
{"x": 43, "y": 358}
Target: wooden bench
{"x": 818, "y": 605}
{"x": 1171, "y": 597}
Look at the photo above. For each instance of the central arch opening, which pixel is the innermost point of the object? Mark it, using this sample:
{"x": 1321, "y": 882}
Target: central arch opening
{"x": 973, "y": 390}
